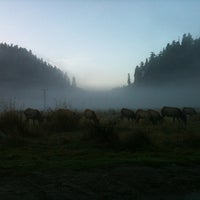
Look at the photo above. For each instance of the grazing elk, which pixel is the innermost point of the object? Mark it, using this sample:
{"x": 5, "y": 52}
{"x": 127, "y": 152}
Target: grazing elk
{"x": 143, "y": 114}
{"x": 155, "y": 116}
{"x": 64, "y": 119}
{"x": 67, "y": 114}
{"x": 174, "y": 113}
{"x": 91, "y": 115}
{"x": 33, "y": 114}
{"x": 127, "y": 114}
{"x": 189, "y": 111}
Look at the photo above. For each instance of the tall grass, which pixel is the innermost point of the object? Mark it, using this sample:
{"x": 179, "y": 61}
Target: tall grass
{"x": 12, "y": 126}
{"x": 122, "y": 135}
{"x": 60, "y": 121}
{"x": 102, "y": 134}
{"x": 11, "y": 121}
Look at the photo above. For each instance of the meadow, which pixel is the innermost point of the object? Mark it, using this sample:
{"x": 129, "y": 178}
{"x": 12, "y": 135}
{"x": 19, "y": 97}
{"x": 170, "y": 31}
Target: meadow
{"x": 119, "y": 148}
{"x": 67, "y": 142}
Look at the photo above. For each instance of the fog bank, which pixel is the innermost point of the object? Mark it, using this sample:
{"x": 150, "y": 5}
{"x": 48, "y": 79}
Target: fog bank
{"x": 80, "y": 99}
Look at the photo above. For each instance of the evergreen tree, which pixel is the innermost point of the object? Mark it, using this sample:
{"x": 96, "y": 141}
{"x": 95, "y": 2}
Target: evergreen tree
{"x": 73, "y": 82}
{"x": 175, "y": 63}
{"x": 129, "y": 79}
{"x": 20, "y": 68}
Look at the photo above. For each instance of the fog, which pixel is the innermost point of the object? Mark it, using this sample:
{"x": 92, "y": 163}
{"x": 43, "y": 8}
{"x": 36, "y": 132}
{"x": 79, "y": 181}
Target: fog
{"x": 79, "y": 99}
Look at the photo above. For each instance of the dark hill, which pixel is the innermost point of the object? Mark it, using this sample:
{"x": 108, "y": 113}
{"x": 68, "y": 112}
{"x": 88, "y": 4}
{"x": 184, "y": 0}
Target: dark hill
{"x": 178, "y": 64}
{"x": 19, "y": 68}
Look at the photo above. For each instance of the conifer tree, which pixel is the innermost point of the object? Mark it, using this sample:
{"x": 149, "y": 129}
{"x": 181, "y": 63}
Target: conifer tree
{"x": 129, "y": 79}
{"x": 73, "y": 82}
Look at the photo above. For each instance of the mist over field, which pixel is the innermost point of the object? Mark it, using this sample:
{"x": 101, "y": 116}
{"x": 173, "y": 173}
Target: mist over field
{"x": 110, "y": 99}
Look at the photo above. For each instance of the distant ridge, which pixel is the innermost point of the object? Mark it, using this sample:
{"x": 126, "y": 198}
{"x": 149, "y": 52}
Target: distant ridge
{"x": 177, "y": 64}
{"x": 19, "y": 68}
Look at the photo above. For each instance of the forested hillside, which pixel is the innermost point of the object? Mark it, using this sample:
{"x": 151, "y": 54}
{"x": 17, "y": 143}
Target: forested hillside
{"x": 178, "y": 63}
{"x": 19, "y": 68}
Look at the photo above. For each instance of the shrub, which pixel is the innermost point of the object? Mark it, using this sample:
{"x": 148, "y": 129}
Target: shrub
{"x": 136, "y": 140}
{"x": 60, "y": 121}
{"x": 102, "y": 133}
{"x": 11, "y": 121}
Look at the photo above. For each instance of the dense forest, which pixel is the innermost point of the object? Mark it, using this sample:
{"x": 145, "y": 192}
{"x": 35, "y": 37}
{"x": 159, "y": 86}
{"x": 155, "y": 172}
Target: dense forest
{"x": 19, "y": 68}
{"x": 177, "y": 64}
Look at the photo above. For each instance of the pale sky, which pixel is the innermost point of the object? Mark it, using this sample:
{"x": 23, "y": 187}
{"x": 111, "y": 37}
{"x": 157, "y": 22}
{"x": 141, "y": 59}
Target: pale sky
{"x": 97, "y": 41}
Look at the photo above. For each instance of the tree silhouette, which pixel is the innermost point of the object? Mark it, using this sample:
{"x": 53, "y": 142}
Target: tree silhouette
{"x": 129, "y": 79}
{"x": 73, "y": 82}
{"x": 177, "y": 62}
{"x": 20, "y": 68}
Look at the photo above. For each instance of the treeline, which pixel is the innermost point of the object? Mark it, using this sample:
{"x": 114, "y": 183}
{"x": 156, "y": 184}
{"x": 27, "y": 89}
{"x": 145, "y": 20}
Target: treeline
{"x": 178, "y": 63}
{"x": 20, "y": 68}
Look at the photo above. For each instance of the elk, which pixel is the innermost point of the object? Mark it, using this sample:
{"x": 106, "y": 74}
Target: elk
{"x": 189, "y": 111}
{"x": 127, "y": 114}
{"x": 143, "y": 114}
{"x": 155, "y": 116}
{"x": 64, "y": 119}
{"x": 65, "y": 112}
{"x": 91, "y": 115}
{"x": 33, "y": 114}
{"x": 67, "y": 115}
{"x": 174, "y": 113}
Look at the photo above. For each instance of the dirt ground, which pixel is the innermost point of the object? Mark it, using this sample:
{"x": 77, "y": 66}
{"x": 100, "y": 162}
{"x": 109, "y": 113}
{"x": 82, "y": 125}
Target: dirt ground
{"x": 119, "y": 182}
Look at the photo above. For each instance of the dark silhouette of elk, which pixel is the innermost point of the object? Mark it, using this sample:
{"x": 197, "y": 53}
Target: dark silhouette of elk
{"x": 91, "y": 115}
{"x": 67, "y": 114}
{"x": 64, "y": 120}
{"x": 189, "y": 111}
{"x": 33, "y": 114}
{"x": 174, "y": 113}
{"x": 144, "y": 115}
{"x": 155, "y": 116}
{"x": 127, "y": 114}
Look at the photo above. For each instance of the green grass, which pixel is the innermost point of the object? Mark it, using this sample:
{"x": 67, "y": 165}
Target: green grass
{"x": 50, "y": 152}
{"x": 87, "y": 146}
{"x": 82, "y": 159}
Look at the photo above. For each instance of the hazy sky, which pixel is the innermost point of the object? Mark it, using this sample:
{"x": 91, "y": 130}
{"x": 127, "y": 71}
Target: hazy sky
{"x": 98, "y": 41}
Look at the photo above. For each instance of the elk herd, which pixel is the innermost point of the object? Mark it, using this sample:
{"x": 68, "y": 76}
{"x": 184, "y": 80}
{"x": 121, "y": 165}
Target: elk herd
{"x": 150, "y": 115}
{"x": 156, "y": 117}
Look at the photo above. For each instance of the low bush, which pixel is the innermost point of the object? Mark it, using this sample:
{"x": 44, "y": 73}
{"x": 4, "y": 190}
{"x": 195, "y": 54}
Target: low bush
{"x": 59, "y": 121}
{"x": 102, "y": 133}
{"x": 137, "y": 139}
{"x": 11, "y": 121}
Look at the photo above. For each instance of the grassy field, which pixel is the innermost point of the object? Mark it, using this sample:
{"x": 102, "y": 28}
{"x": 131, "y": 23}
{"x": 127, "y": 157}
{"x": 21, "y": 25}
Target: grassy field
{"x": 52, "y": 144}
{"x": 153, "y": 153}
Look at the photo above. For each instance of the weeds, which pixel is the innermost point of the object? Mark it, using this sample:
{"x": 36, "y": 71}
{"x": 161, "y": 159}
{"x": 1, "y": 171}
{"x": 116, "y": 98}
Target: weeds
{"x": 121, "y": 135}
{"x": 137, "y": 139}
{"x": 11, "y": 121}
{"x": 62, "y": 121}
{"x": 102, "y": 134}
